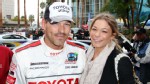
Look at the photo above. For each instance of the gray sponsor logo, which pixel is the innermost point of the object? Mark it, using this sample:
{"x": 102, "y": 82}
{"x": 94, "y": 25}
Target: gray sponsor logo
{"x": 39, "y": 63}
{"x": 40, "y": 67}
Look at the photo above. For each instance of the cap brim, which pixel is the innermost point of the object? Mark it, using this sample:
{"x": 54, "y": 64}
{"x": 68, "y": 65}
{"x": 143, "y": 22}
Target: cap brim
{"x": 61, "y": 18}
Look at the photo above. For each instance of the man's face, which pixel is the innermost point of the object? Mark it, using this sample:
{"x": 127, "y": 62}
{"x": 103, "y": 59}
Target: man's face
{"x": 140, "y": 37}
{"x": 56, "y": 33}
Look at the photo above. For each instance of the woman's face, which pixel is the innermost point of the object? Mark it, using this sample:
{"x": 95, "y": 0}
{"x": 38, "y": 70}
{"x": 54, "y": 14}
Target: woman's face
{"x": 101, "y": 34}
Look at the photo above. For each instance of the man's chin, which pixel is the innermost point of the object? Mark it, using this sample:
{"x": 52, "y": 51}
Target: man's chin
{"x": 60, "y": 42}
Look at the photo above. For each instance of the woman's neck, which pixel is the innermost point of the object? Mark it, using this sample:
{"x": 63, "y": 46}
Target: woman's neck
{"x": 96, "y": 52}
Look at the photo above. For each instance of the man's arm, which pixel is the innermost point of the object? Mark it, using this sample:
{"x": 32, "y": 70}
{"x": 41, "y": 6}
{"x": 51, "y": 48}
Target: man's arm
{"x": 15, "y": 75}
{"x": 146, "y": 58}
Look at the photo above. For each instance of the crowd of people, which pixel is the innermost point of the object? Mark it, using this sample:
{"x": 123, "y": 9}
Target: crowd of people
{"x": 54, "y": 59}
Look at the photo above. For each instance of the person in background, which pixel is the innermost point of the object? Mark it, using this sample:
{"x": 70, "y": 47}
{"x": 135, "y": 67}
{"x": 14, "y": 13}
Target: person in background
{"x": 53, "y": 59}
{"x": 5, "y": 59}
{"x": 137, "y": 27}
{"x": 86, "y": 34}
{"x": 36, "y": 34}
{"x": 80, "y": 34}
{"x": 142, "y": 55}
{"x": 71, "y": 35}
{"x": 100, "y": 65}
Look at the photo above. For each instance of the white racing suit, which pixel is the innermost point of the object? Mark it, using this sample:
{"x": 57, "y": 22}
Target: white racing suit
{"x": 36, "y": 63}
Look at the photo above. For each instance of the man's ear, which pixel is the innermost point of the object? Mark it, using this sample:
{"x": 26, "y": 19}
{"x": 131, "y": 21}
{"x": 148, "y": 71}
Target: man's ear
{"x": 43, "y": 23}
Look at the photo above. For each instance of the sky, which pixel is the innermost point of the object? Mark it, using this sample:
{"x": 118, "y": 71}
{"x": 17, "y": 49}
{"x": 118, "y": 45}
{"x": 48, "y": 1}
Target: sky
{"x": 31, "y": 8}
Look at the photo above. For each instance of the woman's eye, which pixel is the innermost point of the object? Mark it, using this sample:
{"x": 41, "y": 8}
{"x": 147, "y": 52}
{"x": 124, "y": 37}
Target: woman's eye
{"x": 93, "y": 28}
{"x": 105, "y": 31}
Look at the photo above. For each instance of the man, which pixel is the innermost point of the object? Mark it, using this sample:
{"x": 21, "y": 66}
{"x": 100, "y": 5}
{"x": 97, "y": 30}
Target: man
{"x": 5, "y": 59}
{"x": 52, "y": 59}
{"x": 142, "y": 56}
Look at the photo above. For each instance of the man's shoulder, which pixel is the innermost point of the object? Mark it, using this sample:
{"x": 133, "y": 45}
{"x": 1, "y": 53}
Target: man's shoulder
{"x": 27, "y": 46}
{"x": 75, "y": 45}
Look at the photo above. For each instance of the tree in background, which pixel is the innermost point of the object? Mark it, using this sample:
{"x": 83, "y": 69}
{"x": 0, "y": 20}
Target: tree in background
{"x": 83, "y": 11}
{"x": 18, "y": 13}
{"x": 120, "y": 8}
{"x": 31, "y": 19}
{"x": 38, "y": 14}
{"x": 128, "y": 10}
{"x": 15, "y": 18}
{"x": 22, "y": 18}
{"x": 48, "y": 2}
{"x": 148, "y": 3}
{"x": 25, "y": 16}
{"x": 42, "y": 6}
{"x": 77, "y": 22}
{"x": 1, "y": 21}
{"x": 139, "y": 8}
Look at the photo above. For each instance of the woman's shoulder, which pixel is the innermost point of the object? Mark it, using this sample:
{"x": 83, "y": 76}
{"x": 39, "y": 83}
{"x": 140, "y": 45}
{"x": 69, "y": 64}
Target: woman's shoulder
{"x": 125, "y": 69}
{"x": 122, "y": 57}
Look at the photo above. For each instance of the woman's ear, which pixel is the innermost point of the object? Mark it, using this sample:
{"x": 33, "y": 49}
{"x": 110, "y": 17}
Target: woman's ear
{"x": 113, "y": 36}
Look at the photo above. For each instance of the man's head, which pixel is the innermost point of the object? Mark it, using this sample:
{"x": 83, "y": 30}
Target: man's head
{"x": 58, "y": 12}
{"x": 141, "y": 34}
{"x": 56, "y": 24}
{"x": 140, "y": 31}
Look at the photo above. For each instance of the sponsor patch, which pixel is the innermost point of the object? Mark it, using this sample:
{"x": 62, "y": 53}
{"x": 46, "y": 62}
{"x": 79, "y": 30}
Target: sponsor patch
{"x": 10, "y": 80}
{"x": 68, "y": 67}
{"x": 12, "y": 66}
{"x": 71, "y": 58}
{"x": 40, "y": 67}
{"x": 55, "y": 54}
{"x": 61, "y": 81}
{"x": 39, "y": 63}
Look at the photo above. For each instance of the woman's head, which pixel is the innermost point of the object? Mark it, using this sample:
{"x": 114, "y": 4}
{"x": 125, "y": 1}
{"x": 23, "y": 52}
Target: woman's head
{"x": 103, "y": 29}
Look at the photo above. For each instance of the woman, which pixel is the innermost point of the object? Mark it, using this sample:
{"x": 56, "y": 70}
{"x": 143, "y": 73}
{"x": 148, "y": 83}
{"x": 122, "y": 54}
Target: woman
{"x": 100, "y": 66}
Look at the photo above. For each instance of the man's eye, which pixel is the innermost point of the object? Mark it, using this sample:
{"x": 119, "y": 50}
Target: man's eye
{"x": 68, "y": 24}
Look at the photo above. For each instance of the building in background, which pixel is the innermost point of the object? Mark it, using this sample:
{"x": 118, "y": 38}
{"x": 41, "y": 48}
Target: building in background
{"x": 7, "y": 9}
{"x": 1, "y": 14}
{"x": 84, "y": 10}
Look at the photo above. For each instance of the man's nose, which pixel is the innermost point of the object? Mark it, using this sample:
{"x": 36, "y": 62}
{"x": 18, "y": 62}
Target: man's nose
{"x": 61, "y": 28}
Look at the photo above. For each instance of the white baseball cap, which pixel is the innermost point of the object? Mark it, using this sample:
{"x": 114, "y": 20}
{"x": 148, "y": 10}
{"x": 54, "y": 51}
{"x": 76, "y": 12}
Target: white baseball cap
{"x": 58, "y": 11}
